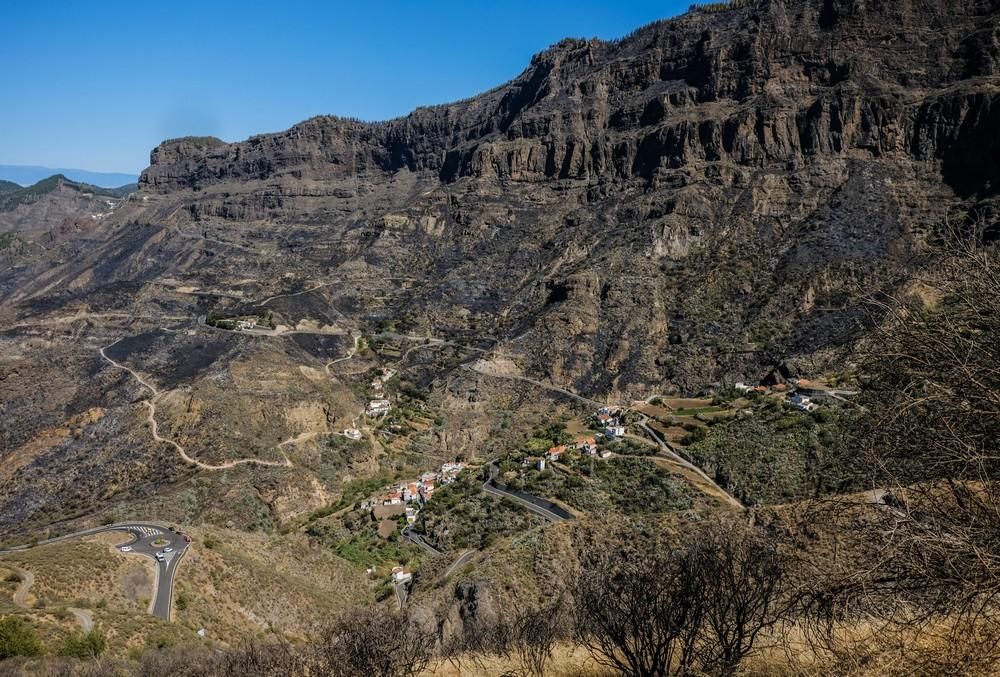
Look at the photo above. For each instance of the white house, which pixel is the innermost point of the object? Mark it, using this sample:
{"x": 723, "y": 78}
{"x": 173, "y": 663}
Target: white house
{"x": 378, "y": 407}
{"x": 353, "y": 433}
{"x": 555, "y": 453}
{"x": 743, "y": 387}
{"x": 802, "y": 402}
{"x": 615, "y": 431}
{"x": 401, "y": 575}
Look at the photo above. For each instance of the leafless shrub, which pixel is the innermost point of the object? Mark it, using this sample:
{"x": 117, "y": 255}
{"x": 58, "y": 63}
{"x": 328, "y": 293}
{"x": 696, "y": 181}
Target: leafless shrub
{"x": 524, "y": 636}
{"x": 375, "y": 642}
{"x": 933, "y": 395}
{"x": 700, "y": 606}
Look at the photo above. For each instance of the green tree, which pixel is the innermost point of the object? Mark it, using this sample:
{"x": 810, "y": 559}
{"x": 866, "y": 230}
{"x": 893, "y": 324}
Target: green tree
{"x": 18, "y": 638}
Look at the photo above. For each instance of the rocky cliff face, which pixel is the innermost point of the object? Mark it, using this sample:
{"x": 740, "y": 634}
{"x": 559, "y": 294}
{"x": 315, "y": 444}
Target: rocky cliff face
{"x": 765, "y": 82}
{"x": 694, "y": 202}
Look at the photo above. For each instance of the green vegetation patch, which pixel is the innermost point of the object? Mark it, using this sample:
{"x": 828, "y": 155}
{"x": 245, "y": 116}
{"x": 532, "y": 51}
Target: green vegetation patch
{"x": 461, "y": 515}
{"x": 777, "y": 454}
{"x": 622, "y": 484}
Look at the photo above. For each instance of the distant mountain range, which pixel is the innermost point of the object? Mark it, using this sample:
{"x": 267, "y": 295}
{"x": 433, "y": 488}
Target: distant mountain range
{"x": 25, "y": 175}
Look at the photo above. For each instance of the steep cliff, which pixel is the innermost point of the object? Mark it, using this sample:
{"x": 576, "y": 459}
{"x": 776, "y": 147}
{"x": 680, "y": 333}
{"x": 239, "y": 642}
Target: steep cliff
{"x": 699, "y": 200}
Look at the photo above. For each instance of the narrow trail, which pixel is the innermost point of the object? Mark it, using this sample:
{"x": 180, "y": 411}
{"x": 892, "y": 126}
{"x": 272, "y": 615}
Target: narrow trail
{"x": 83, "y": 616}
{"x": 349, "y": 355}
{"x": 21, "y": 594}
{"x": 540, "y": 384}
{"x": 154, "y": 429}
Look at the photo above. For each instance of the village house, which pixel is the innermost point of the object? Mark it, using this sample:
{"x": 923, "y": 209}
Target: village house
{"x": 613, "y": 431}
{"x": 801, "y": 402}
{"x": 743, "y": 387}
{"x": 411, "y": 514}
{"x": 387, "y": 374}
{"x": 426, "y": 490}
{"x": 606, "y": 453}
{"x": 352, "y": 433}
{"x": 449, "y": 471}
{"x": 378, "y": 407}
{"x": 587, "y": 445}
{"x": 555, "y": 453}
{"x": 604, "y": 420}
{"x": 401, "y": 575}
{"x": 246, "y": 324}
{"x": 410, "y": 491}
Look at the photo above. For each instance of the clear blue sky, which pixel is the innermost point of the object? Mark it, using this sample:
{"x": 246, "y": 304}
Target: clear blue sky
{"x": 95, "y": 85}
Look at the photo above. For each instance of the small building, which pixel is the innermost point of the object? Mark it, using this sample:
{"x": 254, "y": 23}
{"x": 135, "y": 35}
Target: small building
{"x": 615, "y": 431}
{"x": 378, "y": 407}
{"x": 587, "y": 445}
{"x": 743, "y": 387}
{"x": 246, "y": 324}
{"x": 605, "y": 420}
{"x": 555, "y": 453}
{"x": 410, "y": 491}
{"x": 449, "y": 471}
{"x": 352, "y": 433}
{"x": 606, "y": 453}
{"x": 801, "y": 402}
{"x": 401, "y": 575}
{"x": 411, "y": 514}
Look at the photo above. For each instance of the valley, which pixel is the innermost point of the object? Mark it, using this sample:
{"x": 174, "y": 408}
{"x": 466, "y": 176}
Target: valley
{"x": 646, "y": 322}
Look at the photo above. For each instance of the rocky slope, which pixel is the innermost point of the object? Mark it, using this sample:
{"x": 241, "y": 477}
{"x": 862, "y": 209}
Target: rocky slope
{"x": 698, "y": 201}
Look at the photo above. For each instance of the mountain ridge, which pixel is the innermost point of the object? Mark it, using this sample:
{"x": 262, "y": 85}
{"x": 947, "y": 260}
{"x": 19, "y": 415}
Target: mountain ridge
{"x": 26, "y": 175}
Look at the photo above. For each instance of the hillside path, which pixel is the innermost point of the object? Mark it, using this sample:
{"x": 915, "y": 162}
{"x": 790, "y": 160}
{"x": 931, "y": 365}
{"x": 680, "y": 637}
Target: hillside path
{"x": 154, "y": 428}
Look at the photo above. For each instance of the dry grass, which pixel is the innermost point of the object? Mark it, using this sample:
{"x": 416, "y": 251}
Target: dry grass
{"x": 567, "y": 661}
{"x": 250, "y": 583}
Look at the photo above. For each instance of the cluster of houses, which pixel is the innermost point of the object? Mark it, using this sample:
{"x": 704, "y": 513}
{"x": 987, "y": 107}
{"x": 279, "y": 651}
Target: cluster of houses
{"x": 609, "y": 419}
{"x": 798, "y": 399}
{"x": 411, "y": 495}
{"x": 380, "y": 404}
{"x": 248, "y": 323}
{"x": 585, "y": 444}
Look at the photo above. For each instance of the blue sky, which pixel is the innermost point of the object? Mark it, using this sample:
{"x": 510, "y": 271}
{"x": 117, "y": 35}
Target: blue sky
{"x": 96, "y": 85}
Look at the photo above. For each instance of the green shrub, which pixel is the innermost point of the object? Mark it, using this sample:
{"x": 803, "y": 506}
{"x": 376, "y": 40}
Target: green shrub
{"x": 84, "y": 645}
{"x": 13, "y": 577}
{"x": 18, "y": 638}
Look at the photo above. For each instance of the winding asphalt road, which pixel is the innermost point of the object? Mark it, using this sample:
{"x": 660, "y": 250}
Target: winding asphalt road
{"x": 144, "y": 535}
{"x": 491, "y": 487}
{"x": 416, "y": 539}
